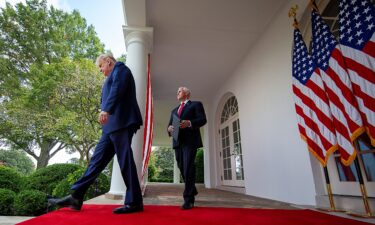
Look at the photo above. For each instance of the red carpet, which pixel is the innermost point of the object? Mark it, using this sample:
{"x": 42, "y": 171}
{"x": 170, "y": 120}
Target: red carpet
{"x": 165, "y": 215}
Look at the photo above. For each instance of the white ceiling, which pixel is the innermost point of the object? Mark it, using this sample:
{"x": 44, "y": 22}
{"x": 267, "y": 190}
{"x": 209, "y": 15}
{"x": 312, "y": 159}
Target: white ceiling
{"x": 197, "y": 44}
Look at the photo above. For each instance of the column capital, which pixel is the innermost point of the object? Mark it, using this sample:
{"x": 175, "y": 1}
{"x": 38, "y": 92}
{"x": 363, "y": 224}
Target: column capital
{"x": 142, "y": 35}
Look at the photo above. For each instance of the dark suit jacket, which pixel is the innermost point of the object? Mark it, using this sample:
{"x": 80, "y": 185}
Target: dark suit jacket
{"x": 119, "y": 100}
{"x": 190, "y": 136}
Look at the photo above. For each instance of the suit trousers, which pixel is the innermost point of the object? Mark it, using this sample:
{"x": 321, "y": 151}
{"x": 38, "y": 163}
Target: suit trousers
{"x": 119, "y": 143}
{"x": 185, "y": 157}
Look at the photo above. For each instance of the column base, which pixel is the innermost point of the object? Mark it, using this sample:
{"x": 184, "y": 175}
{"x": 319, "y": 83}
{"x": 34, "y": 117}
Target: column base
{"x": 114, "y": 196}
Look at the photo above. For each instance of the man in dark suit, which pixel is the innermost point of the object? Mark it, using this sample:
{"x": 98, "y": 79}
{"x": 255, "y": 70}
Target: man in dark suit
{"x": 120, "y": 118}
{"x": 192, "y": 117}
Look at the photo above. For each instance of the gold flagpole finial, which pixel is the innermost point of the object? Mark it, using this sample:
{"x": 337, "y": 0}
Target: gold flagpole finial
{"x": 293, "y": 13}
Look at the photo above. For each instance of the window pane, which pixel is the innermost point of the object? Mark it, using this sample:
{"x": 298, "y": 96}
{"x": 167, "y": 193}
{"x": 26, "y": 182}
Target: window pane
{"x": 346, "y": 173}
{"x": 364, "y": 143}
{"x": 369, "y": 165}
{"x": 367, "y": 155}
{"x": 239, "y": 169}
{"x": 235, "y": 136}
{"x": 230, "y": 109}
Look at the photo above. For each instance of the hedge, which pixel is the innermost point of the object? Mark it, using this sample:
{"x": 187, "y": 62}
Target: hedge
{"x": 10, "y": 179}
{"x": 47, "y": 178}
{"x": 6, "y": 201}
{"x": 30, "y": 203}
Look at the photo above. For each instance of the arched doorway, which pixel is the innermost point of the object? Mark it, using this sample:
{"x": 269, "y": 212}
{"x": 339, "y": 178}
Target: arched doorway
{"x": 230, "y": 149}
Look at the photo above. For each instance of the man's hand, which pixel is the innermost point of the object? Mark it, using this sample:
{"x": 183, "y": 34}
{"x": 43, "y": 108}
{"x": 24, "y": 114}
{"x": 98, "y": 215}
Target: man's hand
{"x": 185, "y": 123}
{"x": 170, "y": 129}
{"x": 103, "y": 117}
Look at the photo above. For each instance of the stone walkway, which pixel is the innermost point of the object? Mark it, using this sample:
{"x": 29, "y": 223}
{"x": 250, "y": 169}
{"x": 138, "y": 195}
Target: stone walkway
{"x": 171, "y": 194}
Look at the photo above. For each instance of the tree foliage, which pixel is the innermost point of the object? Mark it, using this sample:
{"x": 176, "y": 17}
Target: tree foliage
{"x": 163, "y": 160}
{"x": 80, "y": 98}
{"x": 17, "y": 160}
{"x": 42, "y": 49}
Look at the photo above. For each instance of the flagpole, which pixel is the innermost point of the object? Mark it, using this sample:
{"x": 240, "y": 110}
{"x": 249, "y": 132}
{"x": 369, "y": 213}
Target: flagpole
{"x": 363, "y": 192}
{"x": 330, "y": 194}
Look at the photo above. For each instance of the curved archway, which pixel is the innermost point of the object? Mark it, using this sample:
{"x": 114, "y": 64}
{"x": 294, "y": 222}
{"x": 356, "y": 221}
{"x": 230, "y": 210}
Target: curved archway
{"x": 229, "y": 142}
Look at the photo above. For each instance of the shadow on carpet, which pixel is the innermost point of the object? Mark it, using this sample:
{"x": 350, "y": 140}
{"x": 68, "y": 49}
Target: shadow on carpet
{"x": 165, "y": 215}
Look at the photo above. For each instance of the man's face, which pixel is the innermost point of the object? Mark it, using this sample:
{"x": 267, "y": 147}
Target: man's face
{"x": 105, "y": 67}
{"x": 181, "y": 94}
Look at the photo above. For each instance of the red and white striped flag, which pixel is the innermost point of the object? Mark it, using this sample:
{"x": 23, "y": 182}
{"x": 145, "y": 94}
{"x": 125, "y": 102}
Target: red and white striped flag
{"x": 312, "y": 107}
{"x": 357, "y": 39}
{"x": 343, "y": 104}
{"x": 149, "y": 126}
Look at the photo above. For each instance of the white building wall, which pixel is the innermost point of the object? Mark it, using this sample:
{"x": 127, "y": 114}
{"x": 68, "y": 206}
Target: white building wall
{"x": 276, "y": 161}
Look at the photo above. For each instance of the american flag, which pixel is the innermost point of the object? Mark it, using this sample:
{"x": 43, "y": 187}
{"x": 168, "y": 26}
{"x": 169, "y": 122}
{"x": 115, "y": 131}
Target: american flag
{"x": 357, "y": 26}
{"x": 149, "y": 126}
{"x": 312, "y": 107}
{"x": 344, "y": 107}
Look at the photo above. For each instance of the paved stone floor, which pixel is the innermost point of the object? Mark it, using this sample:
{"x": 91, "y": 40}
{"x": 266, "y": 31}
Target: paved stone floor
{"x": 171, "y": 194}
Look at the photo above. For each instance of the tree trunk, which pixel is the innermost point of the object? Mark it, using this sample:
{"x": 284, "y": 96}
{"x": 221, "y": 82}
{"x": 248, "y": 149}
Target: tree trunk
{"x": 43, "y": 158}
{"x": 46, "y": 153}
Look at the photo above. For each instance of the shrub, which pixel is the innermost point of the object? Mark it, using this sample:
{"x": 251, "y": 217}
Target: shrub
{"x": 162, "y": 180}
{"x": 10, "y": 179}
{"x": 199, "y": 166}
{"x": 30, "y": 203}
{"x": 99, "y": 187}
{"x": 6, "y": 201}
{"x": 47, "y": 178}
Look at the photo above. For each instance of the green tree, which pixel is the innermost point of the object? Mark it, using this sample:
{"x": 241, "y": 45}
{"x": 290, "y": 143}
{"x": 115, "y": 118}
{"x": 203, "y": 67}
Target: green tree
{"x": 37, "y": 47}
{"x": 18, "y": 160}
{"x": 57, "y": 110}
{"x": 80, "y": 97}
{"x": 164, "y": 160}
{"x": 122, "y": 58}
{"x": 151, "y": 170}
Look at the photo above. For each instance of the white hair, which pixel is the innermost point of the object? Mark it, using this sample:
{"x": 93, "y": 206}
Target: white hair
{"x": 187, "y": 91}
{"x": 104, "y": 56}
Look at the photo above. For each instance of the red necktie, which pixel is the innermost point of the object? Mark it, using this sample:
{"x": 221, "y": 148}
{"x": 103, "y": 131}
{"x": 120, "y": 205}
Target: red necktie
{"x": 180, "y": 109}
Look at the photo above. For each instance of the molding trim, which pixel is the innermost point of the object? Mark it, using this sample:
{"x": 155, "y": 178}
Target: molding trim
{"x": 144, "y": 35}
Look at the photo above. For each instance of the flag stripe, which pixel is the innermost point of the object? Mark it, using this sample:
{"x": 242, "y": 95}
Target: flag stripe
{"x": 367, "y": 101}
{"x": 148, "y": 126}
{"x": 344, "y": 111}
{"x": 312, "y": 138}
{"x": 357, "y": 59}
{"x": 311, "y": 120}
{"x": 356, "y": 69}
{"x": 370, "y": 48}
{"x": 310, "y": 104}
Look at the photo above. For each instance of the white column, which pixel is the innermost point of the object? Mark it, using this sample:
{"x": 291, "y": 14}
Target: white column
{"x": 176, "y": 172}
{"x": 118, "y": 188}
{"x": 138, "y": 45}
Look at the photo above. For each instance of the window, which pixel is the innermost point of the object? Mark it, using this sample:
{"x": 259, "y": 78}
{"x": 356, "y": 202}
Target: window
{"x": 230, "y": 140}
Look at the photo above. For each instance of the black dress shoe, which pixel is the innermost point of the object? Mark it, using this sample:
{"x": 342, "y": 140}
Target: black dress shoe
{"x": 128, "y": 209}
{"x": 187, "y": 205}
{"x": 68, "y": 201}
